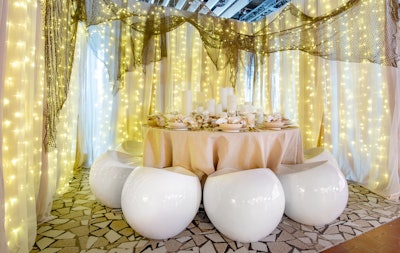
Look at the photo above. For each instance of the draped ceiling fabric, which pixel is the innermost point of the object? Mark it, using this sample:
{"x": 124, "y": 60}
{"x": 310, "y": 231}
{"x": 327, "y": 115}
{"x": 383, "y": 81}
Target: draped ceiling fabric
{"x": 134, "y": 42}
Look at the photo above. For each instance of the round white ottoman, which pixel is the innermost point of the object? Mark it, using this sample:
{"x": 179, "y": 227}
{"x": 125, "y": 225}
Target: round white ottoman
{"x": 131, "y": 147}
{"x": 160, "y": 203}
{"x": 319, "y": 154}
{"x": 316, "y": 192}
{"x": 244, "y": 205}
{"x": 108, "y": 174}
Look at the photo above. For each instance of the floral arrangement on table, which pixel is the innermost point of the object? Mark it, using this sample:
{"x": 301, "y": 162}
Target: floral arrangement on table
{"x": 204, "y": 120}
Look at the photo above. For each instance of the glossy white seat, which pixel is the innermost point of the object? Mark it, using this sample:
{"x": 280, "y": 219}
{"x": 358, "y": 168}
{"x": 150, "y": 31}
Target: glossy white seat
{"x": 244, "y": 205}
{"x": 108, "y": 174}
{"x": 131, "y": 147}
{"x": 316, "y": 192}
{"x": 160, "y": 203}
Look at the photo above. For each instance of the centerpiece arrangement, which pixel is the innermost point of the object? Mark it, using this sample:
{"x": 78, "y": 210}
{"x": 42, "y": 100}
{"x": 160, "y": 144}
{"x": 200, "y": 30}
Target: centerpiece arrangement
{"x": 226, "y": 122}
{"x": 227, "y": 115}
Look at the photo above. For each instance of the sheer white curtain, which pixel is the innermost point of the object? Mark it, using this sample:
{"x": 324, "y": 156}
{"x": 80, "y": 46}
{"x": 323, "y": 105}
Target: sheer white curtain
{"x": 21, "y": 109}
{"x": 97, "y": 104}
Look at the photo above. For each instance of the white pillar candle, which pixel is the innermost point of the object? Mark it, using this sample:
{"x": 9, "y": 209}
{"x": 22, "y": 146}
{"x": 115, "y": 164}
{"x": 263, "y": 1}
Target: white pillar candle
{"x": 230, "y": 91}
{"x": 231, "y": 104}
{"x": 223, "y": 95}
{"x": 187, "y": 103}
{"x": 211, "y": 106}
{"x": 260, "y": 116}
{"x": 218, "y": 109}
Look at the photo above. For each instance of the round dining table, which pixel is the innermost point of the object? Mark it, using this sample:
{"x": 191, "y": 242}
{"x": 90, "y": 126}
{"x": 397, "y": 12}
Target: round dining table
{"x": 206, "y": 151}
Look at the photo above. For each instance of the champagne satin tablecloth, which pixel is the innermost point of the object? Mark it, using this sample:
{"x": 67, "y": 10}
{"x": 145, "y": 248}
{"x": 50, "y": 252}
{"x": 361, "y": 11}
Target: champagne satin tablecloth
{"x": 204, "y": 152}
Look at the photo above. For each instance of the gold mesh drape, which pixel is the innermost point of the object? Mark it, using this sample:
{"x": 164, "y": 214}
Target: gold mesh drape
{"x": 290, "y": 30}
{"x": 139, "y": 23}
{"x": 61, "y": 20}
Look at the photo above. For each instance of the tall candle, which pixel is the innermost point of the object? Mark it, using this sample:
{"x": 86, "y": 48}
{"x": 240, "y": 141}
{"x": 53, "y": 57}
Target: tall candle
{"x": 232, "y": 105}
{"x": 223, "y": 95}
{"x": 218, "y": 109}
{"x": 211, "y": 106}
{"x": 187, "y": 103}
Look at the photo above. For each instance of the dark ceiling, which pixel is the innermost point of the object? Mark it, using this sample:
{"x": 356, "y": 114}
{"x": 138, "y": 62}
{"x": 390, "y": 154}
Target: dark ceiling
{"x": 244, "y": 10}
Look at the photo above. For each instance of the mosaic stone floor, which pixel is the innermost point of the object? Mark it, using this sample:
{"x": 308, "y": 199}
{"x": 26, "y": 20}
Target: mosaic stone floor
{"x": 81, "y": 224}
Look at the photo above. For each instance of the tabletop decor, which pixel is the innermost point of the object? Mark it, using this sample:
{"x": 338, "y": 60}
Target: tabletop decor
{"x": 225, "y": 121}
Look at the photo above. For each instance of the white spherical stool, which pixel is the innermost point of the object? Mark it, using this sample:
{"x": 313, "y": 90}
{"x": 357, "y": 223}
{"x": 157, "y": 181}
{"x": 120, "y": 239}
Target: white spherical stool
{"x": 319, "y": 154}
{"x": 108, "y": 174}
{"x": 244, "y": 205}
{"x": 131, "y": 147}
{"x": 316, "y": 192}
{"x": 160, "y": 203}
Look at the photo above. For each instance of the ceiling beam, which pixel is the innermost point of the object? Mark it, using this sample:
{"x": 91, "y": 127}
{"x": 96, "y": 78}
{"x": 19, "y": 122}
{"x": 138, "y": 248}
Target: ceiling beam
{"x": 263, "y": 9}
{"x": 219, "y": 10}
{"x": 211, "y": 4}
{"x": 235, "y": 8}
{"x": 165, "y": 2}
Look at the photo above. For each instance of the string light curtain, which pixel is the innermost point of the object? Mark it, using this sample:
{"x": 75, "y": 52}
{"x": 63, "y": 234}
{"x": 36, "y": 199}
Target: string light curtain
{"x": 21, "y": 108}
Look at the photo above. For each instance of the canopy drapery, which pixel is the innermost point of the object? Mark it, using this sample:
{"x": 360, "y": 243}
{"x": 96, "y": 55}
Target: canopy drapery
{"x": 104, "y": 65}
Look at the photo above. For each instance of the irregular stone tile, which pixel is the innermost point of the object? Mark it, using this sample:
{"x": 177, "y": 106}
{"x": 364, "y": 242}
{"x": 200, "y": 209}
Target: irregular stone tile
{"x": 72, "y": 215}
{"x": 100, "y": 242}
{"x": 66, "y": 235}
{"x": 128, "y": 245}
{"x": 63, "y": 211}
{"x": 90, "y": 241}
{"x": 333, "y": 237}
{"x": 207, "y": 248}
{"x": 68, "y": 225}
{"x": 112, "y": 216}
{"x": 206, "y": 226}
{"x": 325, "y": 243}
{"x": 122, "y": 239}
{"x": 118, "y": 225}
{"x": 199, "y": 239}
{"x": 80, "y": 231}
{"x": 112, "y": 236}
{"x": 173, "y": 245}
{"x": 184, "y": 239}
{"x": 220, "y": 247}
{"x": 126, "y": 231}
{"x": 188, "y": 245}
{"x": 259, "y": 246}
{"x": 101, "y": 224}
{"x": 58, "y": 221}
{"x": 64, "y": 243}
{"x": 299, "y": 244}
{"x": 69, "y": 250}
{"x": 284, "y": 236}
{"x": 44, "y": 242}
{"x": 305, "y": 240}
{"x": 100, "y": 232}
{"x": 215, "y": 237}
{"x": 43, "y": 228}
{"x": 83, "y": 241}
